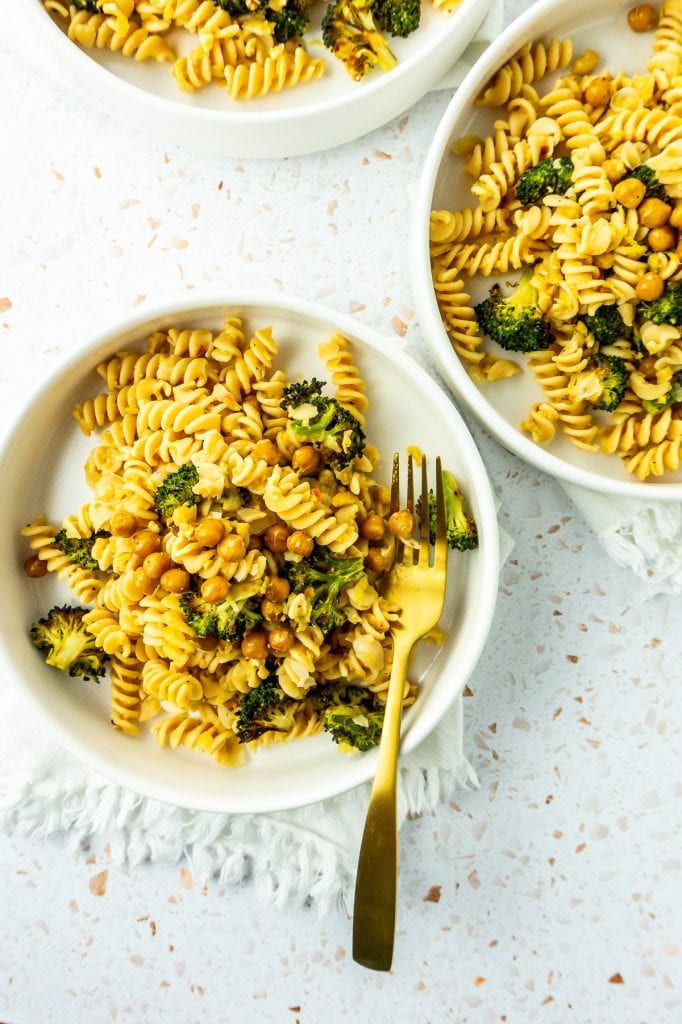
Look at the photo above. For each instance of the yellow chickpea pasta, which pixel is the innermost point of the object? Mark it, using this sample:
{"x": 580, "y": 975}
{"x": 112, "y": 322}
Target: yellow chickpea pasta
{"x": 579, "y": 187}
{"x": 226, "y": 570}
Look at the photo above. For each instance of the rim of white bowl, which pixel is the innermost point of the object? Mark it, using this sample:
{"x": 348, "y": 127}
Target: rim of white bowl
{"x": 356, "y": 771}
{"x": 535, "y": 19}
{"x": 233, "y": 118}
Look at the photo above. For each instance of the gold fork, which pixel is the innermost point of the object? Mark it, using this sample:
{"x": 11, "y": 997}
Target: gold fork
{"x": 418, "y": 589}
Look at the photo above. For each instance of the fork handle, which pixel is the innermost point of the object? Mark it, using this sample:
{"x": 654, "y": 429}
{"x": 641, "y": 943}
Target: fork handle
{"x": 377, "y": 875}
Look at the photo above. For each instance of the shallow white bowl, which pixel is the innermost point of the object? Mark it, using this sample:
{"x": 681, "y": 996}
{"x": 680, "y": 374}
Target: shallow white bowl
{"x": 41, "y": 466}
{"x": 303, "y": 119}
{"x": 443, "y": 185}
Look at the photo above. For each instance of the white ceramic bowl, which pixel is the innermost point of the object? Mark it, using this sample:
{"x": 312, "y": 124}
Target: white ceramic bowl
{"x": 41, "y": 466}
{"x": 503, "y": 405}
{"x": 303, "y": 119}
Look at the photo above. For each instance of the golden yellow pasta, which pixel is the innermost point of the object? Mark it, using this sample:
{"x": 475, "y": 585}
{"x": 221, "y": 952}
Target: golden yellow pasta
{"x": 579, "y": 187}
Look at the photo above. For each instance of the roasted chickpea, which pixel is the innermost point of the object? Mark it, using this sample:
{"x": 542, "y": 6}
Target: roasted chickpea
{"x": 654, "y": 213}
{"x": 375, "y": 560}
{"x": 145, "y": 542}
{"x": 175, "y": 580}
{"x": 660, "y": 239}
{"x": 123, "y": 524}
{"x": 277, "y": 589}
{"x": 598, "y": 92}
{"x": 144, "y": 583}
{"x": 255, "y": 542}
{"x": 255, "y": 645}
{"x": 649, "y": 287}
{"x": 280, "y": 639}
{"x": 35, "y": 567}
{"x": 276, "y": 537}
{"x": 614, "y": 169}
{"x": 630, "y": 192}
{"x": 642, "y": 18}
{"x": 401, "y": 523}
{"x": 647, "y": 366}
{"x": 266, "y": 450}
{"x": 207, "y": 643}
{"x": 373, "y": 527}
{"x": 271, "y": 610}
{"x": 156, "y": 564}
{"x": 209, "y": 532}
{"x": 676, "y": 217}
{"x": 305, "y": 460}
{"x": 214, "y": 590}
{"x": 231, "y": 548}
{"x": 299, "y": 543}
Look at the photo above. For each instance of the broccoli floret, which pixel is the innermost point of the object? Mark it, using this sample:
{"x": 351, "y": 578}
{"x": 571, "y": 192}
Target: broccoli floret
{"x": 79, "y": 549}
{"x": 667, "y": 309}
{"x": 67, "y": 644}
{"x": 237, "y": 8}
{"x": 648, "y": 177}
{"x": 176, "y": 490}
{"x": 673, "y": 396}
{"x": 228, "y": 619}
{"x": 515, "y": 322}
{"x": 551, "y": 176}
{"x": 350, "y": 32}
{"x": 323, "y": 422}
{"x": 461, "y": 530}
{"x": 292, "y": 21}
{"x": 265, "y": 709}
{"x": 613, "y": 376}
{"x": 607, "y": 325}
{"x": 324, "y": 575}
{"x": 353, "y": 715}
{"x": 93, "y": 6}
{"x": 399, "y": 17}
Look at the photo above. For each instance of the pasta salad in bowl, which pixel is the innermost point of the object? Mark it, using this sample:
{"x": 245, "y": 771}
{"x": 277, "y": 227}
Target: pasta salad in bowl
{"x": 547, "y": 244}
{"x": 198, "y": 529}
{"x": 255, "y": 78}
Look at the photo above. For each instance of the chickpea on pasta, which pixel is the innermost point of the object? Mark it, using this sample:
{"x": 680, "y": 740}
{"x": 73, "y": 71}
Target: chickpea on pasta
{"x": 578, "y": 188}
{"x": 210, "y": 514}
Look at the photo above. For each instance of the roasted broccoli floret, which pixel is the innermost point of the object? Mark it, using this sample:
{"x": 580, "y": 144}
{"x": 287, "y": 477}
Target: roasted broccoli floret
{"x": 461, "y": 530}
{"x": 353, "y": 715}
{"x": 350, "y": 32}
{"x": 323, "y": 422}
{"x": 228, "y": 619}
{"x": 515, "y": 322}
{"x": 648, "y": 177}
{"x": 399, "y": 17}
{"x": 176, "y": 490}
{"x": 613, "y": 376}
{"x": 667, "y": 309}
{"x": 265, "y": 709}
{"x": 551, "y": 176}
{"x": 66, "y": 643}
{"x": 324, "y": 575}
{"x": 79, "y": 549}
{"x": 292, "y": 21}
{"x": 237, "y": 8}
{"x": 87, "y": 5}
{"x": 607, "y": 325}
{"x": 673, "y": 396}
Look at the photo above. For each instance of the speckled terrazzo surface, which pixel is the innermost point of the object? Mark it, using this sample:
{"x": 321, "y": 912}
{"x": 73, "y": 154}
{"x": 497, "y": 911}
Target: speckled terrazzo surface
{"x": 552, "y": 893}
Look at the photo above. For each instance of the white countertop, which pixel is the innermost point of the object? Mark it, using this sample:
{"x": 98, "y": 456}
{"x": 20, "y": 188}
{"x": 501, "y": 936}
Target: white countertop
{"x": 550, "y": 894}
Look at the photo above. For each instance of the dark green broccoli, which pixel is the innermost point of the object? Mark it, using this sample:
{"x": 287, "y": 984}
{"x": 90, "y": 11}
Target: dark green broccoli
{"x": 673, "y": 396}
{"x": 323, "y": 422}
{"x": 461, "y": 529}
{"x": 648, "y": 177}
{"x": 79, "y": 549}
{"x": 87, "y": 5}
{"x": 177, "y": 490}
{"x": 292, "y": 21}
{"x": 551, "y": 176}
{"x": 324, "y": 575}
{"x": 350, "y": 32}
{"x": 353, "y": 715}
{"x": 613, "y": 376}
{"x": 399, "y": 17}
{"x": 265, "y": 709}
{"x": 667, "y": 309}
{"x": 607, "y": 325}
{"x": 515, "y": 322}
{"x": 228, "y": 619}
{"x": 67, "y": 644}
{"x": 237, "y": 8}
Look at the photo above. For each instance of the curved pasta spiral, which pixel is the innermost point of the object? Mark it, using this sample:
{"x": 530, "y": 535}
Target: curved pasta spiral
{"x": 278, "y": 71}
{"x": 292, "y": 500}
{"x": 531, "y": 62}
{"x": 125, "y": 693}
{"x": 346, "y": 380}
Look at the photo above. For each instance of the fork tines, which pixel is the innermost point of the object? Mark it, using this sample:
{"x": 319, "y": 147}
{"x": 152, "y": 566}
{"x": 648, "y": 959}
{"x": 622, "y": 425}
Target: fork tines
{"x": 404, "y": 550}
